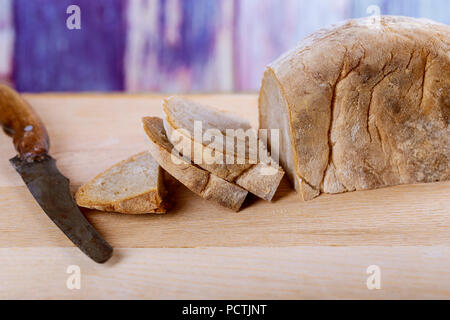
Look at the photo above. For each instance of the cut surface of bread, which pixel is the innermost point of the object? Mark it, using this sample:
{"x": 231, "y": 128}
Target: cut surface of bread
{"x": 201, "y": 182}
{"x": 243, "y": 168}
{"x": 362, "y": 105}
{"x": 133, "y": 186}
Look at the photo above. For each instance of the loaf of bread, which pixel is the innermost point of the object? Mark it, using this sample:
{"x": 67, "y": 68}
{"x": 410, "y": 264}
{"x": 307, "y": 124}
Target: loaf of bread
{"x": 133, "y": 186}
{"x": 199, "y": 181}
{"x": 243, "y": 168}
{"x": 363, "y": 105}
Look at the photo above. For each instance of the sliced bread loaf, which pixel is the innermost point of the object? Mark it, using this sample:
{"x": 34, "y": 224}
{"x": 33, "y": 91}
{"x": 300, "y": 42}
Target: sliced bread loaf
{"x": 243, "y": 168}
{"x": 362, "y": 105}
{"x": 201, "y": 182}
{"x": 133, "y": 186}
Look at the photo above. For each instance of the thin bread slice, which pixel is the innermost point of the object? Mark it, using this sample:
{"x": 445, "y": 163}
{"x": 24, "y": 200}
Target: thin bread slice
{"x": 132, "y": 186}
{"x": 201, "y": 182}
{"x": 246, "y": 170}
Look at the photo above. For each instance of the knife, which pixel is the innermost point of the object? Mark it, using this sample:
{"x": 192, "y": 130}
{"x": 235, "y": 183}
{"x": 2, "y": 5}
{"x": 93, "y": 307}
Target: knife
{"x": 39, "y": 172}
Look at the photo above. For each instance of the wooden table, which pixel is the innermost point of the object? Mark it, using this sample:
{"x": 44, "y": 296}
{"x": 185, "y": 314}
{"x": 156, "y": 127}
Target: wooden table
{"x": 287, "y": 249}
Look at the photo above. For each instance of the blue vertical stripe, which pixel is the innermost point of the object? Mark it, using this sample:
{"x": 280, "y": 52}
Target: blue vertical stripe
{"x": 196, "y": 34}
{"x": 50, "y": 57}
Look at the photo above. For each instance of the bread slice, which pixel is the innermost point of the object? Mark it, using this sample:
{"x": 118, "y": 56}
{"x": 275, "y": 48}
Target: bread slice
{"x": 133, "y": 186}
{"x": 246, "y": 170}
{"x": 201, "y": 182}
{"x": 362, "y": 105}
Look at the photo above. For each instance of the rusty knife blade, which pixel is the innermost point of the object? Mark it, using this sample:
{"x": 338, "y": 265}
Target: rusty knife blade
{"x": 51, "y": 190}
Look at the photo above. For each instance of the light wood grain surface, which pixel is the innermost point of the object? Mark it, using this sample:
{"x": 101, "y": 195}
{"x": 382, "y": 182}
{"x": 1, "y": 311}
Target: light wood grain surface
{"x": 285, "y": 249}
{"x": 228, "y": 273}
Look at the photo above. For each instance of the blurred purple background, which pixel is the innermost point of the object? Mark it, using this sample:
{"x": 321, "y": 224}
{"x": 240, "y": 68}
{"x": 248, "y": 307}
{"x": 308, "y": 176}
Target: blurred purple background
{"x": 167, "y": 45}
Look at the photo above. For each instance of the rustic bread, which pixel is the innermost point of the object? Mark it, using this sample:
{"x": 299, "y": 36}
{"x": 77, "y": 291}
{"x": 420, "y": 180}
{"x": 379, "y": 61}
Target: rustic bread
{"x": 201, "y": 182}
{"x": 255, "y": 176}
{"x": 133, "y": 186}
{"x": 362, "y": 106}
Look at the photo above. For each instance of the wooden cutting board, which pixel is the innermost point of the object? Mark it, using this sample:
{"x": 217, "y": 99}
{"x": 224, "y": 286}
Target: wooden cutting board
{"x": 284, "y": 249}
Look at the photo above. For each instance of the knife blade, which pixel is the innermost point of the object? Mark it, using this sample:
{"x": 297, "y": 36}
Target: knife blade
{"x": 42, "y": 177}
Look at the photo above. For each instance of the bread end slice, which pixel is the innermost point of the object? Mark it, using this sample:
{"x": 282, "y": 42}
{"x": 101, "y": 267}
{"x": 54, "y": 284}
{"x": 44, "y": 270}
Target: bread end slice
{"x": 133, "y": 186}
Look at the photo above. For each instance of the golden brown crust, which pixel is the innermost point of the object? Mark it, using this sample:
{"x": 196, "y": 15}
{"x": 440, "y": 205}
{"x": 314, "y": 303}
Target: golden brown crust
{"x": 367, "y": 105}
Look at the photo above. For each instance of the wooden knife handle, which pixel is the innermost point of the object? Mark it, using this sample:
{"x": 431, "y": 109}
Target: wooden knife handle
{"x": 21, "y": 122}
